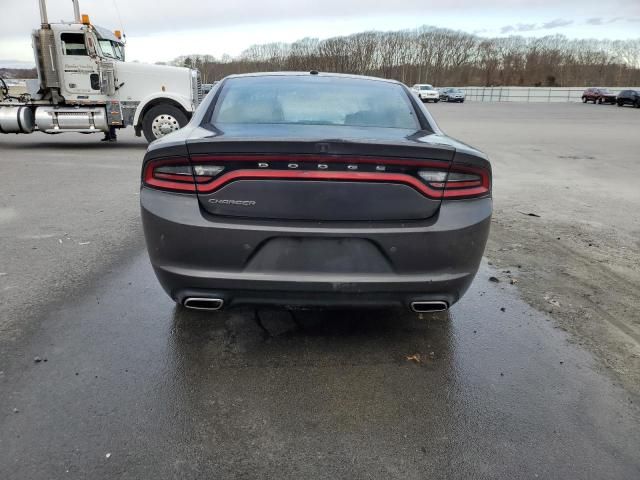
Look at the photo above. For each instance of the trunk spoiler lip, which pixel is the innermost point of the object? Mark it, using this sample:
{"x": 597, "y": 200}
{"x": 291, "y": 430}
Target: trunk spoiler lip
{"x": 328, "y": 158}
{"x": 326, "y": 148}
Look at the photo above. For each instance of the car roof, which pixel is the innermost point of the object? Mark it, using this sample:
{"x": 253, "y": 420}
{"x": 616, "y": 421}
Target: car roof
{"x": 319, "y": 74}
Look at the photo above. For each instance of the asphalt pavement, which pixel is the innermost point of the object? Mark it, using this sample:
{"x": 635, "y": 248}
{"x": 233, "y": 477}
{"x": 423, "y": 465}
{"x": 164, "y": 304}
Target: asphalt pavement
{"x": 130, "y": 386}
{"x": 102, "y": 376}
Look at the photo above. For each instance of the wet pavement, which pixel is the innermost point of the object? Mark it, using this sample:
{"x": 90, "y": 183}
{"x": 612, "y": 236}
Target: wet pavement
{"x": 129, "y": 386}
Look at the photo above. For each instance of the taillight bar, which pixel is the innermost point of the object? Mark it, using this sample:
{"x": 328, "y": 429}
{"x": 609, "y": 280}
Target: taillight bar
{"x": 319, "y": 175}
{"x": 177, "y": 174}
{"x": 475, "y": 182}
{"x": 153, "y": 178}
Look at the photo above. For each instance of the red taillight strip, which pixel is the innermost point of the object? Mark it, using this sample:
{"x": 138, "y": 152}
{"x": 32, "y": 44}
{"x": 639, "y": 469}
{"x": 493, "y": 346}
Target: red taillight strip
{"x": 173, "y": 176}
{"x": 185, "y": 183}
{"x": 466, "y": 184}
{"x": 321, "y": 159}
{"x": 169, "y": 185}
{"x": 313, "y": 175}
{"x": 181, "y": 178}
{"x": 154, "y": 179}
{"x": 468, "y": 189}
{"x": 465, "y": 192}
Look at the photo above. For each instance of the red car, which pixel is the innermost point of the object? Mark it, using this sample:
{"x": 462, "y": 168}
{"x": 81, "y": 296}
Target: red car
{"x": 600, "y": 95}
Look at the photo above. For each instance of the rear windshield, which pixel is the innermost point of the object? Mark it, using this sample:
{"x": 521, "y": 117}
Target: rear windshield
{"x": 314, "y": 100}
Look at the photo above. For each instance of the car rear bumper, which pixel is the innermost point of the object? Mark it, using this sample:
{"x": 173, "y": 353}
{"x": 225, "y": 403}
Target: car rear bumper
{"x": 313, "y": 264}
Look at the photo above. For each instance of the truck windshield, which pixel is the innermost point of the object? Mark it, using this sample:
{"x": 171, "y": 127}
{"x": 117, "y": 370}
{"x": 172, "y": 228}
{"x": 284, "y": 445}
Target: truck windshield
{"x": 314, "y": 100}
{"x": 111, "y": 49}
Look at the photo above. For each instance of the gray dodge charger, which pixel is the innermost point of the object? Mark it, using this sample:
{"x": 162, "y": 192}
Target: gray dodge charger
{"x": 313, "y": 189}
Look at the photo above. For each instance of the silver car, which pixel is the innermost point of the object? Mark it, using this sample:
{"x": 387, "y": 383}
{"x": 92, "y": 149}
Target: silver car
{"x": 452, "y": 95}
{"x": 310, "y": 189}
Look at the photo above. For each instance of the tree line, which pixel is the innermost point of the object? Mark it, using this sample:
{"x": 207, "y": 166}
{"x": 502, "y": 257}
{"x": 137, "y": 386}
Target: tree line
{"x": 18, "y": 73}
{"x": 442, "y": 57}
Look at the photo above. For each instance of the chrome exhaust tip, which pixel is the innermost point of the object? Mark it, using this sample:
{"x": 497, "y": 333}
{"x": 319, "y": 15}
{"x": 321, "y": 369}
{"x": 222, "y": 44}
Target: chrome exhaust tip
{"x": 431, "y": 306}
{"x": 202, "y": 303}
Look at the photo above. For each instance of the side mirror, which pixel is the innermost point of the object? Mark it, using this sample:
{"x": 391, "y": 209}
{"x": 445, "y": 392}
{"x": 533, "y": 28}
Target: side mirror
{"x": 90, "y": 43}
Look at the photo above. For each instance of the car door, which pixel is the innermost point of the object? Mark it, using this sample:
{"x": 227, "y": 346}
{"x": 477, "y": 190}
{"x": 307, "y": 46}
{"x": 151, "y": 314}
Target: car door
{"x": 81, "y": 76}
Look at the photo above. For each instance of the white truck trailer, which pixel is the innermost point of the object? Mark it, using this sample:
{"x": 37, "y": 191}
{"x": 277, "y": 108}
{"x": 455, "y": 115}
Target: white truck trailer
{"x": 85, "y": 85}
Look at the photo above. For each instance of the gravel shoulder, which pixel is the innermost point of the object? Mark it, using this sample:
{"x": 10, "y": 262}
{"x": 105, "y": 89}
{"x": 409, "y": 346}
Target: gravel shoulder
{"x": 574, "y": 167}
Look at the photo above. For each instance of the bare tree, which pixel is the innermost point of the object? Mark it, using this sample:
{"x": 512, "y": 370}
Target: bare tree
{"x": 442, "y": 57}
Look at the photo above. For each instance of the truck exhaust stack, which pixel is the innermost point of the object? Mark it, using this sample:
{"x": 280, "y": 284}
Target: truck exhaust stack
{"x": 44, "y": 20}
{"x": 76, "y": 11}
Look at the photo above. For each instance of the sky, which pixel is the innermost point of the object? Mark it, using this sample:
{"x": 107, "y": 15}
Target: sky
{"x": 160, "y": 30}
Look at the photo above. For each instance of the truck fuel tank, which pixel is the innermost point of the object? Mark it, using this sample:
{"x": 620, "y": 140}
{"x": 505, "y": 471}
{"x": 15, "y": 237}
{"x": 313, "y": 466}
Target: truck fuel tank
{"x": 81, "y": 119}
{"x": 18, "y": 119}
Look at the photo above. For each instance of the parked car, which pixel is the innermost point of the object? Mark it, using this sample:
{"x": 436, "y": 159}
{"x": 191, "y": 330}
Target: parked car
{"x": 207, "y": 87}
{"x": 314, "y": 190}
{"x": 628, "y": 97}
{"x": 599, "y": 95}
{"x": 426, "y": 92}
{"x": 442, "y": 91}
{"x": 451, "y": 94}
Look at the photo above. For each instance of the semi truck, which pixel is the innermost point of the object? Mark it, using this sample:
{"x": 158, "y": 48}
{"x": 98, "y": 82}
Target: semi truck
{"x": 85, "y": 85}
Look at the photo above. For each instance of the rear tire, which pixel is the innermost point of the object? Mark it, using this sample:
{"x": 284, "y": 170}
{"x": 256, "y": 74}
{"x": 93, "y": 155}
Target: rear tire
{"x": 584, "y": 99}
{"x": 620, "y": 104}
{"x": 162, "y": 120}
{"x": 637, "y": 103}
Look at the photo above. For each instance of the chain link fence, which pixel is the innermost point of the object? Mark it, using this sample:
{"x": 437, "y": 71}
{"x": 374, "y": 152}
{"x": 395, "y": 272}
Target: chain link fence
{"x": 530, "y": 94}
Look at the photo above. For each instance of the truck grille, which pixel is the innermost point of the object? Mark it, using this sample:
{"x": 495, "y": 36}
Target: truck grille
{"x": 196, "y": 85}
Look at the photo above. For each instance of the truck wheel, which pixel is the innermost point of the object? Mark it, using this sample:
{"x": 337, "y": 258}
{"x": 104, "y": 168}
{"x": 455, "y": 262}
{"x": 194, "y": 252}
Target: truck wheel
{"x": 162, "y": 120}
{"x": 584, "y": 99}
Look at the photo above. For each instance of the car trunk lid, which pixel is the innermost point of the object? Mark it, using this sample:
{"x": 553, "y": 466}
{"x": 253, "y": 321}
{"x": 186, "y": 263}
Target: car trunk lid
{"x": 319, "y": 173}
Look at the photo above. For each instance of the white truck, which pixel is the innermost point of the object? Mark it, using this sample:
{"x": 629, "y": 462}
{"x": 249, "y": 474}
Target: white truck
{"x": 84, "y": 85}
